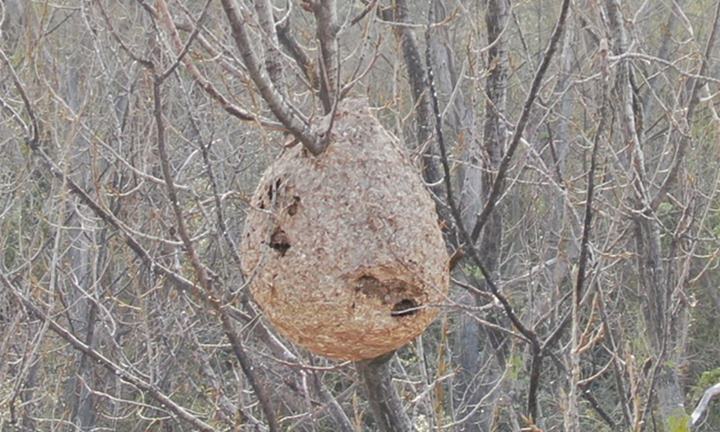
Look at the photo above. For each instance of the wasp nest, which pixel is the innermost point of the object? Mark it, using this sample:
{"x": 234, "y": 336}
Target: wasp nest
{"x": 344, "y": 250}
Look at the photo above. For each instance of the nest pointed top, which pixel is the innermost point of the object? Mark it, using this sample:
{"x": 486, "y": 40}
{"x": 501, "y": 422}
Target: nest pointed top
{"x": 344, "y": 249}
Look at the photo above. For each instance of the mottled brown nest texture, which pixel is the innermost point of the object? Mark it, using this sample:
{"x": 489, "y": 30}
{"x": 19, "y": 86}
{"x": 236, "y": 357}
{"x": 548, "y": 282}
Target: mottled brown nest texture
{"x": 344, "y": 250}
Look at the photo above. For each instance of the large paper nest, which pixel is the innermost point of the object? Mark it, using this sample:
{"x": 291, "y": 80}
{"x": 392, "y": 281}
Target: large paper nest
{"x": 344, "y": 250}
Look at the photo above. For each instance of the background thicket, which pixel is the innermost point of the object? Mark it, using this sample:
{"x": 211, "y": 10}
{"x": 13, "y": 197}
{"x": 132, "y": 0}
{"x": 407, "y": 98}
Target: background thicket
{"x": 572, "y": 148}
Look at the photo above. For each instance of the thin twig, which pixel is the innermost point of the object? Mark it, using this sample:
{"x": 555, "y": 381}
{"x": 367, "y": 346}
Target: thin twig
{"x": 108, "y": 364}
{"x": 200, "y": 271}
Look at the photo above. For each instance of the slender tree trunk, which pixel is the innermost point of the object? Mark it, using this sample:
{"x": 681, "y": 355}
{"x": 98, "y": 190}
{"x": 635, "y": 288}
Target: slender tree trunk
{"x": 667, "y": 33}
{"x": 12, "y": 24}
{"x": 273, "y": 64}
{"x": 27, "y": 395}
{"x": 387, "y": 408}
{"x": 494, "y": 131}
{"x": 417, "y": 76}
{"x": 327, "y": 28}
{"x": 656, "y": 290}
{"x": 473, "y": 350}
{"x": 81, "y": 289}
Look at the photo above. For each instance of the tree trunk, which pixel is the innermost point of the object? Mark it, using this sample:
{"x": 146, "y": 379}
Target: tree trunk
{"x": 656, "y": 289}
{"x": 81, "y": 290}
{"x": 387, "y": 408}
{"x": 417, "y": 77}
{"x": 473, "y": 351}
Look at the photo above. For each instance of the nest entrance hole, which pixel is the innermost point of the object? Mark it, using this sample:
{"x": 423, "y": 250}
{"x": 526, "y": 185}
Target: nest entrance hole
{"x": 405, "y": 307}
{"x": 392, "y": 292}
{"x": 279, "y": 241}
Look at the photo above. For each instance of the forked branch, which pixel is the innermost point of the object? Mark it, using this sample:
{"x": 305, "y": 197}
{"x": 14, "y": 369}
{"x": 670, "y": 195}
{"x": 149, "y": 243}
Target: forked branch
{"x": 108, "y": 364}
{"x": 288, "y": 115}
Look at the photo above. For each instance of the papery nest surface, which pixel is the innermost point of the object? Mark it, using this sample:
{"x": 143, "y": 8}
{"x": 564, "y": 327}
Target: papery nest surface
{"x": 344, "y": 250}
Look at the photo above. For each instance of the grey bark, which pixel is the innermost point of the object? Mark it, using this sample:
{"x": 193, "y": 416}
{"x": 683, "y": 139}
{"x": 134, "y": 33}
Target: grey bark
{"x": 494, "y": 131}
{"x": 668, "y": 29}
{"x": 13, "y": 19}
{"x": 327, "y": 28}
{"x": 479, "y": 341}
{"x": 459, "y": 118}
{"x": 273, "y": 64}
{"x": 27, "y": 394}
{"x": 81, "y": 290}
{"x": 417, "y": 77}
{"x": 563, "y": 227}
{"x": 655, "y": 288}
{"x": 282, "y": 109}
{"x": 561, "y": 145}
{"x": 387, "y": 408}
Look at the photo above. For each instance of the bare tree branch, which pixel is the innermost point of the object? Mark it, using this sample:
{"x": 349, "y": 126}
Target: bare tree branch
{"x": 498, "y": 184}
{"x": 702, "y": 406}
{"x": 273, "y": 64}
{"x": 697, "y": 84}
{"x": 113, "y": 368}
{"x": 286, "y": 113}
{"x": 573, "y": 413}
{"x": 327, "y": 28}
{"x": 201, "y": 273}
{"x": 205, "y": 84}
